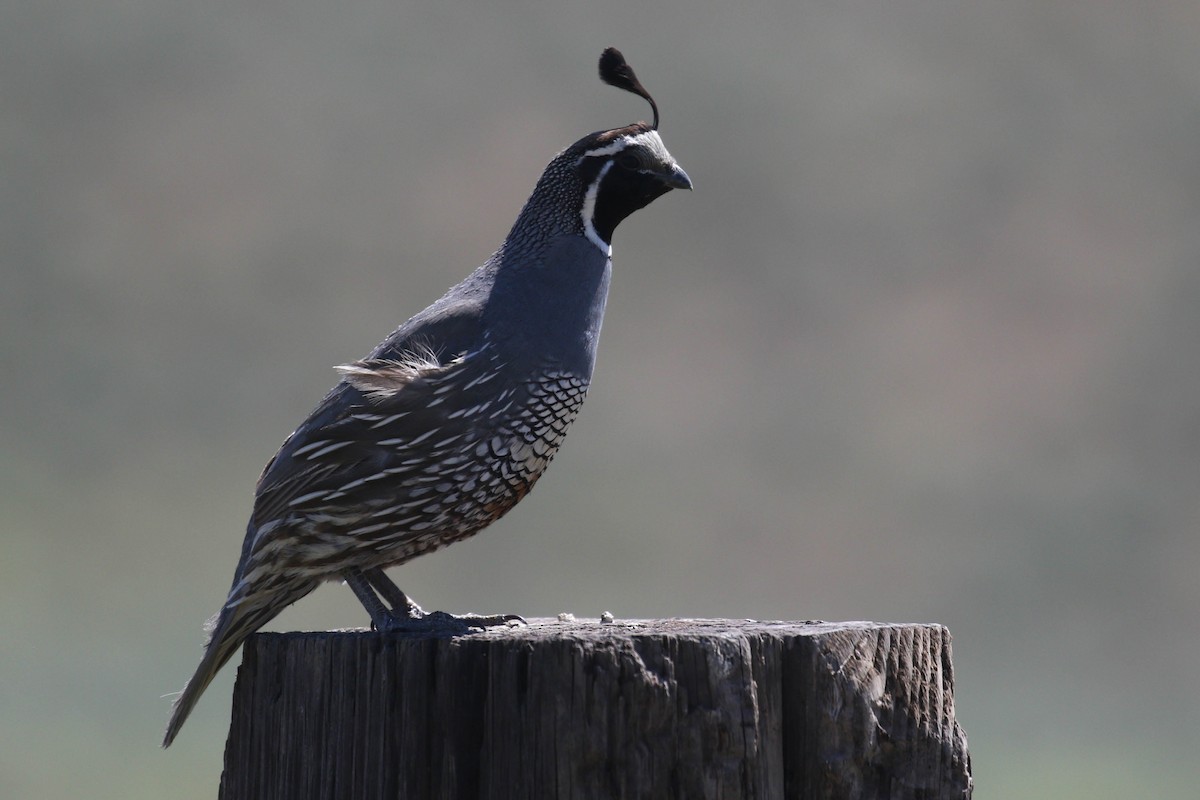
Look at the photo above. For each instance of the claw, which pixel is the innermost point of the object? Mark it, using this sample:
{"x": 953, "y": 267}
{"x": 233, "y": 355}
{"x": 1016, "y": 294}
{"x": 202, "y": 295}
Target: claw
{"x": 405, "y": 616}
{"x": 477, "y": 621}
{"x": 441, "y": 623}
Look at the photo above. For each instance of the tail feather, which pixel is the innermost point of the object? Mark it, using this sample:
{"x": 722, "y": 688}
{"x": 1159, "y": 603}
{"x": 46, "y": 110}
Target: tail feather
{"x": 249, "y": 608}
{"x": 251, "y": 604}
{"x": 232, "y": 628}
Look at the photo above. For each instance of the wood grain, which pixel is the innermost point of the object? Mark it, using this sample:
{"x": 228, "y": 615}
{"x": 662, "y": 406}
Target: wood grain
{"x": 636, "y": 709}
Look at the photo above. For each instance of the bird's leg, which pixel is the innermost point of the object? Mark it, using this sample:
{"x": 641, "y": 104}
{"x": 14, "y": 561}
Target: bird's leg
{"x": 380, "y": 616}
{"x": 401, "y": 604}
{"x": 405, "y": 616}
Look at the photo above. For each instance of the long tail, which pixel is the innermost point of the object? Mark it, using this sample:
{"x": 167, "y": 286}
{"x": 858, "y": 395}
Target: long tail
{"x": 231, "y": 629}
{"x": 236, "y": 621}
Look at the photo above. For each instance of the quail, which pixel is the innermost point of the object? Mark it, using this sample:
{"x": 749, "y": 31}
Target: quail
{"x": 451, "y": 420}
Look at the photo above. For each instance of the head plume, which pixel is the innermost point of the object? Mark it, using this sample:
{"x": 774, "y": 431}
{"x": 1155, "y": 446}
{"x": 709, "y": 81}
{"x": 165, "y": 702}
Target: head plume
{"x": 615, "y": 71}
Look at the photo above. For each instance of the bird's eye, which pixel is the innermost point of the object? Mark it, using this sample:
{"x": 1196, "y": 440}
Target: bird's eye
{"x": 628, "y": 161}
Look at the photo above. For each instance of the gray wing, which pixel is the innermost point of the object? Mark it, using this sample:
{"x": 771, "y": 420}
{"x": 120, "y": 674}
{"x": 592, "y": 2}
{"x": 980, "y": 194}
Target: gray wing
{"x": 389, "y": 420}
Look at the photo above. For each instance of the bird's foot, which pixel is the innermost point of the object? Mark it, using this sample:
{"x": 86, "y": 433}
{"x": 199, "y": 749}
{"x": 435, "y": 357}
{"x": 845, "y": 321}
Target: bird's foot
{"x": 441, "y": 623}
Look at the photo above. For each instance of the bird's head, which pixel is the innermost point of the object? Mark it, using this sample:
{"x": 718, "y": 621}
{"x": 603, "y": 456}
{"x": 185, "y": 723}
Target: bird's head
{"x": 618, "y": 171}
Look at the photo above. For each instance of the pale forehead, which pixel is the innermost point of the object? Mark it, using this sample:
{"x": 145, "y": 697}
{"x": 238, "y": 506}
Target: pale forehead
{"x": 650, "y": 140}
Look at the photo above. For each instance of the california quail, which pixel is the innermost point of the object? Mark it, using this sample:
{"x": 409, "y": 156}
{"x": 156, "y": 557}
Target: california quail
{"x": 452, "y": 419}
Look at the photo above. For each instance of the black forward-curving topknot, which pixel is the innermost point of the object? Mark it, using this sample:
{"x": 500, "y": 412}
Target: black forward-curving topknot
{"x": 615, "y": 71}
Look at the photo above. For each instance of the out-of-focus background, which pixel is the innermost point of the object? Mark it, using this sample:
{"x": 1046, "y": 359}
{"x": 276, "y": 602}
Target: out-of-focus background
{"x": 923, "y": 345}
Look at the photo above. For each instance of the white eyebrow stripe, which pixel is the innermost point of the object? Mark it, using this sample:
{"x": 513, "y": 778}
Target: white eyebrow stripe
{"x": 649, "y": 139}
{"x": 607, "y": 150}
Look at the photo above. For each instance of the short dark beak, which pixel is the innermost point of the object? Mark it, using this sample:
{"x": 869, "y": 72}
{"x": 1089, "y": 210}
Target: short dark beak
{"x": 676, "y": 178}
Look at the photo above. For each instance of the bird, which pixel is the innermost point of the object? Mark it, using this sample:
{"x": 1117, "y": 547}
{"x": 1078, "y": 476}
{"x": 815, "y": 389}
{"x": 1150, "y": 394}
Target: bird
{"x": 450, "y": 421}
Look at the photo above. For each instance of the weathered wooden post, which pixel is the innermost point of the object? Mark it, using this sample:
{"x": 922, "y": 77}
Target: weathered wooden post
{"x": 645, "y": 709}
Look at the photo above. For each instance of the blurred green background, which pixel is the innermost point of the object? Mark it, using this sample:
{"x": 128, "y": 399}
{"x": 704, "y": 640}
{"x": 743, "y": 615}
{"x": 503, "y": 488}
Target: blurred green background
{"x": 924, "y": 344}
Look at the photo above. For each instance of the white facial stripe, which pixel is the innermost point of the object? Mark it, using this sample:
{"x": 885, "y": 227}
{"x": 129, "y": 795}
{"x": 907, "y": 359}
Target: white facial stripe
{"x": 608, "y": 150}
{"x": 650, "y": 140}
{"x": 589, "y": 211}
